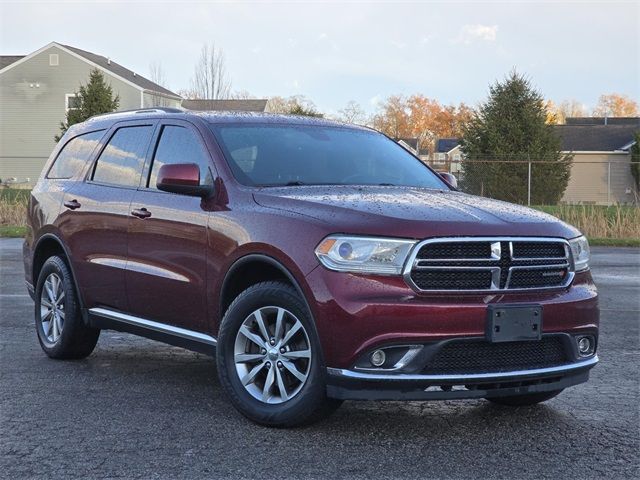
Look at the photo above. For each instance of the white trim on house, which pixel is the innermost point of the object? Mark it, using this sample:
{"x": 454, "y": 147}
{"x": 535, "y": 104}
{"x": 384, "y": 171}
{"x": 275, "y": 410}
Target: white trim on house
{"x": 95, "y": 65}
{"x": 627, "y": 146}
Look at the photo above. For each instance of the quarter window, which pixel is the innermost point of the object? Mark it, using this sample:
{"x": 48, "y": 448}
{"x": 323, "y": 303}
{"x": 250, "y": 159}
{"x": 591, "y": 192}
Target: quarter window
{"x": 180, "y": 145}
{"x": 74, "y": 155}
{"x": 122, "y": 160}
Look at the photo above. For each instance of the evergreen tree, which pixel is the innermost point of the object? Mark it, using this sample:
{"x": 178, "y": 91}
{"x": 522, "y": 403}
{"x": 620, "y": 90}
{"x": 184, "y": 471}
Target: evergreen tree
{"x": 94, "y": 98}
{"x": 511, "y": 127}
{"x": 635, "y": 161}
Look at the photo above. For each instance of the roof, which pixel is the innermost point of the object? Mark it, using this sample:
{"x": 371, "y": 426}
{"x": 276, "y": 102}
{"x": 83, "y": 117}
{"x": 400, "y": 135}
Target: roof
{"x": 411, "y": 142}
{"x": 121, "y": 71}
{"x": 6, "y": 60}
{"x": 245, "y": 105}
{"x": 107, "y": 119}
{"x": 101, "y": 62}
{"x": 596, "y": 138}
{"x": 445, "y": 145}
{"x": 603, "y": 121}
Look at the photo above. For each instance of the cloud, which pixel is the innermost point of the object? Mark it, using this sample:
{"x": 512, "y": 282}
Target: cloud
{"x": 474, "y": 33}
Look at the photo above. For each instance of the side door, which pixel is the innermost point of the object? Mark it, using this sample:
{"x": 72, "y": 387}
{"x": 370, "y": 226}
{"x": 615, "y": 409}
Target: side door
{"x": 97, "y": 211}
{"x": 167, "y": 246}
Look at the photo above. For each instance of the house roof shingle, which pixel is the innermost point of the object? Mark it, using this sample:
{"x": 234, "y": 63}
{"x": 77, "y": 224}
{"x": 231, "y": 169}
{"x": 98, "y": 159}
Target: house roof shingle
{"x": 121, "y": 71}
{"x": 229, "y": 105}
{"x": 602, "y": 120}
{"x": 6, "y": 60}
{"x": 444, "y": 145}
{"x": 596, "y": 138}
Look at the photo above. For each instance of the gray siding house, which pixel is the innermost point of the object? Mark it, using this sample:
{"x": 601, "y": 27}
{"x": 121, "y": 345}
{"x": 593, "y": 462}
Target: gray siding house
{"x": 37, "y": 89}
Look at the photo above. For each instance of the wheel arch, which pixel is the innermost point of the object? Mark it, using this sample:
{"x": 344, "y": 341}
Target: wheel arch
{"x": 242, "y": 274}
{"x": 49, "y": 245}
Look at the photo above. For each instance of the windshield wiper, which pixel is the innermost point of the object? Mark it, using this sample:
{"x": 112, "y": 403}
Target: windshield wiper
{"x": 294, "y": 183}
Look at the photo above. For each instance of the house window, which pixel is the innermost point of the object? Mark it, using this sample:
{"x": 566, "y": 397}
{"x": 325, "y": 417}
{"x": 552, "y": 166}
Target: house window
{"x": 71, "y": 102}
{"x": 441, "y": 157}
{"x": 456, "y": 157}
{"x": 54, "y": 60}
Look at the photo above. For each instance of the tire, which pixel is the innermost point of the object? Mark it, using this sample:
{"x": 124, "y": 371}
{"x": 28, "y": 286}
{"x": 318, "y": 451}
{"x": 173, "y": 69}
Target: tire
{"x": 61, "y": 330}
{"x": 266, "y": 367}
{"x": 526, "y": 399}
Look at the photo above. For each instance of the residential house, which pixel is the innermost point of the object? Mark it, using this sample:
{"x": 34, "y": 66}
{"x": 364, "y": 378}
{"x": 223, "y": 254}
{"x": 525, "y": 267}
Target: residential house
{"x": 232, "y": 105}
{"x": 447, "y": 155}
{"x": 600, "y": 172}
{"x": 36, "y": 90}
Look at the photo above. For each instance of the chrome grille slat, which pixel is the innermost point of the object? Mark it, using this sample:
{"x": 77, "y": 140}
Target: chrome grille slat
{"x": 438, "y": 264}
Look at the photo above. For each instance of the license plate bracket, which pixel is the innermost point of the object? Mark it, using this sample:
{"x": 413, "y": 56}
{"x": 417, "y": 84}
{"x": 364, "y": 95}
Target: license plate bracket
{"x": 511, "y": 323}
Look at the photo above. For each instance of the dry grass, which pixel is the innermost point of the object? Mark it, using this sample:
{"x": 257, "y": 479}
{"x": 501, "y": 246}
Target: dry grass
{"x": 13, "y": 210}
{"x": 615, "y": 222}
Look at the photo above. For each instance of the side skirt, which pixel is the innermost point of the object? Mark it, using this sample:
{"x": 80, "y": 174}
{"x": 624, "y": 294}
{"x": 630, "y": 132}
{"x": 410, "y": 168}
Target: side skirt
{"x": 105, "y": 318}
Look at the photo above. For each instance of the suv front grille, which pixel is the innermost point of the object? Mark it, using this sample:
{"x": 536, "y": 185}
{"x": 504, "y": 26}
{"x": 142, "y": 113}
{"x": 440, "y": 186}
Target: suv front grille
{"x": 489, "y": 264}
{"x": 462, "y": 357}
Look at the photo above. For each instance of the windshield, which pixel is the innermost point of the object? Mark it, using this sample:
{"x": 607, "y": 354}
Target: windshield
{"x": 277, "y": 155}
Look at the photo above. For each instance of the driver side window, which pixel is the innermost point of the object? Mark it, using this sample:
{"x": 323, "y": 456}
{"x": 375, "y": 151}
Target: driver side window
{"x": 180, "y": 145}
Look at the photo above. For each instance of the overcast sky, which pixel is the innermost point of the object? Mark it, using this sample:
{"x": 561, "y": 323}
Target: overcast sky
{"x": 334, "y": 52}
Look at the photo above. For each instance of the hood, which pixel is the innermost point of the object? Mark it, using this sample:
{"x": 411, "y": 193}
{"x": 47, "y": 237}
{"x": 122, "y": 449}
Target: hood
{"x": 411, "y": 212}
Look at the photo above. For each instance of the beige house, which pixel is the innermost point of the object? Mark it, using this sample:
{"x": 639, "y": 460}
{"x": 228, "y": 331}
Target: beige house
{"x": 36, "y": 90}
{"x": 601, "y": 171}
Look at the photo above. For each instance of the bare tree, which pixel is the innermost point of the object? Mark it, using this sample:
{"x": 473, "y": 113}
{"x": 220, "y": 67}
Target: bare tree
{"x": 353, "y": 113}
{"x": 242, "y": 95}
{"x": 210, "y": 79}
{"x": 157, "y": 75}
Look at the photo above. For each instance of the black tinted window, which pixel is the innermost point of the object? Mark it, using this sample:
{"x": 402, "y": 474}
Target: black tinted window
{"x": 121, "y": 161}
{"x": 266, "y": 155}
{"x": 74, "y": 155}
{"x": 180, "y": 145}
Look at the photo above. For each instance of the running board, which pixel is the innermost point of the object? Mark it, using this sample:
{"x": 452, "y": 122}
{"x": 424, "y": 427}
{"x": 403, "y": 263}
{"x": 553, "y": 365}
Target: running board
{"x": 105, "y": 318}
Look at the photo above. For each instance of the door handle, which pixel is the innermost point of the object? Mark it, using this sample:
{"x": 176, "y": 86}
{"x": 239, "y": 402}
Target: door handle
{"x": 141, "y": 212}
{"x": 72, "y": 204}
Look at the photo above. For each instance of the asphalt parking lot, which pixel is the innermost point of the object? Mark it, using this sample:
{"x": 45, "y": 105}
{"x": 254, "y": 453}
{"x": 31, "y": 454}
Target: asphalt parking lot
{"x": 140, "y": 409}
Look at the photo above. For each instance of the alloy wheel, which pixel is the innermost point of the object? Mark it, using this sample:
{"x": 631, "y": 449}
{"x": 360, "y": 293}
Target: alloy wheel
{"x": 272, "y": 355}
{"x": 52, "y": 308}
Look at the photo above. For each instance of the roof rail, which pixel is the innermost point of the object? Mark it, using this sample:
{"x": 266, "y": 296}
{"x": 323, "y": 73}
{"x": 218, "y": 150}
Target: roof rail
{"x": 140, "y": 110}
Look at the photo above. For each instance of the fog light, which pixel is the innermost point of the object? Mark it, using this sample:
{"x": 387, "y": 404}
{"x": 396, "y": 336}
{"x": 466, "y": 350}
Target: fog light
{"x": 585, "y": 346}
{"x": 378, "y": 358}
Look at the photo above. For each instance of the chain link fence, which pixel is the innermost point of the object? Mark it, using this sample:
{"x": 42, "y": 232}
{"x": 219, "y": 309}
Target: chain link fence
{"x": 539, "y": 182}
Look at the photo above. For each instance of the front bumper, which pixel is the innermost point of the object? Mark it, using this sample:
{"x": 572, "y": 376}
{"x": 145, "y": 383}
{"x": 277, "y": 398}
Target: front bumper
{"x": 357, "y": 385}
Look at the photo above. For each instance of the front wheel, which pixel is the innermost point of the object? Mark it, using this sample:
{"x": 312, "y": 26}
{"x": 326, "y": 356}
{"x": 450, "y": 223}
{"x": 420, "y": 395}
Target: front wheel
{"x": 526, "y": 399}
{"x": 269, "y": 359}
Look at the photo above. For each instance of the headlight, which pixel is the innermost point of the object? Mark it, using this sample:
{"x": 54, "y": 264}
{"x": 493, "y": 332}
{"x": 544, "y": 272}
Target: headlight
{"x": 384, "y": 256}
{"x": 580, "y": 252}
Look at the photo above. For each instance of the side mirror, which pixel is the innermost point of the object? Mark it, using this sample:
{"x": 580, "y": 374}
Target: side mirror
{"x": 182, "y": 178}
{"x": 449, "y": 178}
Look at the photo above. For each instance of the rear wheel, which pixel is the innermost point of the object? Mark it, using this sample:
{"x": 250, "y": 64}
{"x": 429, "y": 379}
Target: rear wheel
{"x": 61, "y": 331}
{"x": 269, "y": 358}
{"x": 526, "y": 399}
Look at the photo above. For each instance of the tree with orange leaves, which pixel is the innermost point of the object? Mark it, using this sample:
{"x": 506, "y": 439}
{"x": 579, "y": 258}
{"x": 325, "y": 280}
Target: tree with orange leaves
{"x": 616, "y": 105}
{"x": 420, "y": 117}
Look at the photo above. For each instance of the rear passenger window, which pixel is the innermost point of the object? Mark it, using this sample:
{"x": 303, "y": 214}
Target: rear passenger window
{"x": 74, "y": 155}
{"x": 121, "y": 162}
{"x": 180, "y": 145}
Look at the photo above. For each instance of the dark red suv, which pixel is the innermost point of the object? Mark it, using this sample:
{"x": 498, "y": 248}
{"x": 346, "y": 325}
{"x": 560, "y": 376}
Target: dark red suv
{"x": 319, "y": 262}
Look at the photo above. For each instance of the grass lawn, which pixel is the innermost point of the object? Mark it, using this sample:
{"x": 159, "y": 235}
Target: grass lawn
{"x": 12, "y": 231}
